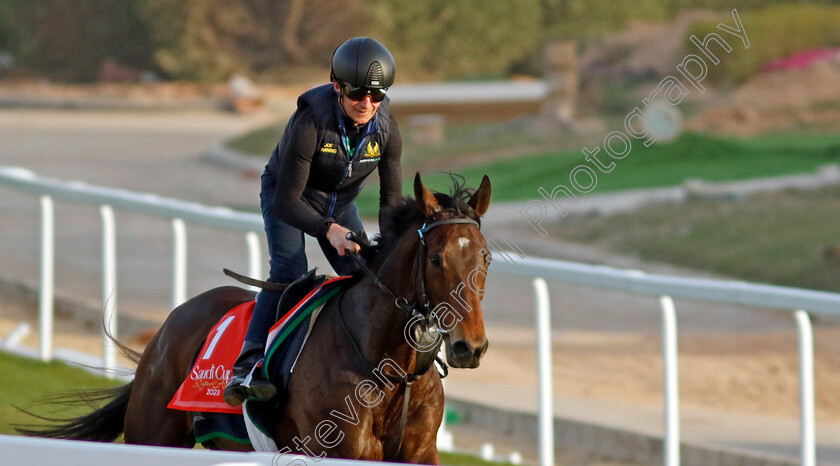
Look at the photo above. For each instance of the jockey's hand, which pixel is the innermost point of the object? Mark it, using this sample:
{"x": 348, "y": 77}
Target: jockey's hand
{"x": 337, "y": 236}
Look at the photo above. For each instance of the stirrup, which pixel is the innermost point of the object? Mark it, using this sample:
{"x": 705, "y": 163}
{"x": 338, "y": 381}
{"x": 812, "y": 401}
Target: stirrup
{"x": 244, "y": 388}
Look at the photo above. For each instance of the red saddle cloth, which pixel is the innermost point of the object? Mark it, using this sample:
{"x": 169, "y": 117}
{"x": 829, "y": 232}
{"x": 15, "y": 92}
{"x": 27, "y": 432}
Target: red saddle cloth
{"x": 203, "y": 389}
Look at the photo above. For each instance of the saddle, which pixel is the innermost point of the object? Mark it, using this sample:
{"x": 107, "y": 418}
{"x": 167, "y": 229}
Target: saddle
{"x": 298, "y": 290}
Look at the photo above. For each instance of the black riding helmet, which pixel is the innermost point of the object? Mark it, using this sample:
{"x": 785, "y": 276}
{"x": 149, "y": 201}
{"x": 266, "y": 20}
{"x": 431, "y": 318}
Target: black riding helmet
{"x": 363, "y": 62}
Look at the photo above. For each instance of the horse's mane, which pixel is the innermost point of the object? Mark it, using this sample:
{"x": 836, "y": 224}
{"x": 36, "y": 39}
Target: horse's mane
{"x": 395, "y": 219}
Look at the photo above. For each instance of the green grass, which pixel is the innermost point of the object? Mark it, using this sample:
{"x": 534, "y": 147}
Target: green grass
{"x": 777, "y": 238}
{"x": 259, "y": 142}
{"x": 518, "y": 176}
{"x": 26, "y": 380}
{"x": 690, "y": 156}
{"x": 460, "y": 459}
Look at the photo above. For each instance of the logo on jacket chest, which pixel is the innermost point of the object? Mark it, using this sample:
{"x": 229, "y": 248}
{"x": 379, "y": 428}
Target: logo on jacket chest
{"x": 329, "y": 148}
{"x": 372, "y": 150}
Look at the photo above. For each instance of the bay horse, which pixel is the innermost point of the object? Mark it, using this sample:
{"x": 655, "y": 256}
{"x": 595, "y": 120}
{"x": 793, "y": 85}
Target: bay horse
{"x": 433, "y": 259}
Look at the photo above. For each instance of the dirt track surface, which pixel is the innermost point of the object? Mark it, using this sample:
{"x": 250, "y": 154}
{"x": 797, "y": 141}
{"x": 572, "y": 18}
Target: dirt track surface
{"x": 748, "y": 373}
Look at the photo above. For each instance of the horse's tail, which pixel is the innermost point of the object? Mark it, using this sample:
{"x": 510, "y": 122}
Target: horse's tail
{"x": 105, "y": 424}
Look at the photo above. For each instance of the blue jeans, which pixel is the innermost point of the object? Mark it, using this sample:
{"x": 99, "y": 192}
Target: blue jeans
{"x": 287, "y": 260}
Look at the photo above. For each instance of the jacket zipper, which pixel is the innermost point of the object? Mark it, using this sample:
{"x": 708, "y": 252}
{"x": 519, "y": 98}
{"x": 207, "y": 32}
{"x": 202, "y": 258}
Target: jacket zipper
{"x": 348, "y": 170}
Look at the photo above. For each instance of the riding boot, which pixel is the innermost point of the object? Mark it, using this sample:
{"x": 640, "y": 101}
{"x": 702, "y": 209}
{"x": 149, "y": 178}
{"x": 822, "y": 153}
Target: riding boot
{"x": 246, "y": 381}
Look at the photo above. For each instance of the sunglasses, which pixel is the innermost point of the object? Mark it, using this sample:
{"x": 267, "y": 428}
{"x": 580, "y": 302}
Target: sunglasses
{"x": 358, "y": 94}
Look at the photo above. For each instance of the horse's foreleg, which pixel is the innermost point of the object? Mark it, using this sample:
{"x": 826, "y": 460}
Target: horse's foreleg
{"x": 427, "y": 454}
{"x": 419, "y": 441}
{"x": 419, "y": 446}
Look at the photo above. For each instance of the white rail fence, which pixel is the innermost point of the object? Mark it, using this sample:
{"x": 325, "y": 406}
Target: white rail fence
{"x": 108, "y": 199}
{"x": 50, "y": 452}
{"x": 798, "y": 301}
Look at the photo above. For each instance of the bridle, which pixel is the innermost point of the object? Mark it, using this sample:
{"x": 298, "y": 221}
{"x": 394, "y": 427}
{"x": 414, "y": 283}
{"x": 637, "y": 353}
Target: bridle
{"x": 420, "y": 262}
{"x": 419, "y": 309}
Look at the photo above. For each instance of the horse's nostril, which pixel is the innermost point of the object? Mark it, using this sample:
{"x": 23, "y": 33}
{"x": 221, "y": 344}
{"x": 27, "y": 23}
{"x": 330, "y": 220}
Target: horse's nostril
{"x": 461, "y": 349}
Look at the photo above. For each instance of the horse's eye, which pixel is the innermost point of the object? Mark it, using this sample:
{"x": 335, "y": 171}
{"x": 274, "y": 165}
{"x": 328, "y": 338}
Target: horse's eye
{"x": 488, "y": 258}
{"x": 435, "y": 260}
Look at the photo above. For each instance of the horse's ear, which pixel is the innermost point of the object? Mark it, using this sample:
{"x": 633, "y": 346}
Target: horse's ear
{"x": 480, "y": 199}
{"x": 425, "y": 199}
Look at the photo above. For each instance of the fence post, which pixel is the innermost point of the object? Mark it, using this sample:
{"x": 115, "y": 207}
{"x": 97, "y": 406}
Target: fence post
{"x": 671, "y": 451}
{"x": 254, "y": 257}
{"x": 46, "y": 296}
{"x": 109, "y": 289}
{"x": 544, "y": 371}
{"x": 808, "y": 446}
{"x": 444, "y": 440}
{"x": 179, "y": 263}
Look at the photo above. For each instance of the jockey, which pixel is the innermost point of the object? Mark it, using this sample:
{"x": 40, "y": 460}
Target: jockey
{"x": 338, "y": 135}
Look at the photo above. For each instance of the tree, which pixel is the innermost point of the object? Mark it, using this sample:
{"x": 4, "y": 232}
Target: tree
{"x": 458, "y": 38}
{"x": 213, "y": 39}
{"x": 68, "y": 40}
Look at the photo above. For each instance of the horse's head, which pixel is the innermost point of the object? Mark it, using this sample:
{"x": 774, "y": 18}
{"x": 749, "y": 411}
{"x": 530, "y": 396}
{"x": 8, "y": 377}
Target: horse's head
{"x": 455, "y": 260}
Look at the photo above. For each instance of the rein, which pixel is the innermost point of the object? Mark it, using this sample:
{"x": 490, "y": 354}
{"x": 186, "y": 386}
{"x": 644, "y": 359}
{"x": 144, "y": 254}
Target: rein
{"x": 420, "y": 272}
{"x": 400, "y": 302}
{"x": 412, "y": 309}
